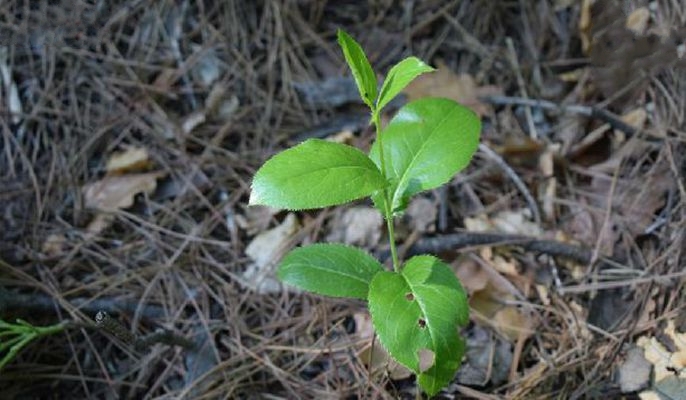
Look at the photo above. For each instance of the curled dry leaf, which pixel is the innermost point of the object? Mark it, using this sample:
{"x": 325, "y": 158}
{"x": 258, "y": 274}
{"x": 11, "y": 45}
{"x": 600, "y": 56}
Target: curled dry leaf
{"x": 116, "y": 192}
{"x": 131, "y": 159}
{"x": 488, "y": 291}
{"x": 113, "y": 193}
{"x": 266, "y": 249}
{"x": 637, "y": 21}
{"x": 372, "y": 353}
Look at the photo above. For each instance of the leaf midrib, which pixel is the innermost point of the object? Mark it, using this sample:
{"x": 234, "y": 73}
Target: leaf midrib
{"x": 414, "y": 158}
{"x": 422, "y": 307}
{"x": 326, "y": 169}
{"x": 329, "y": 270}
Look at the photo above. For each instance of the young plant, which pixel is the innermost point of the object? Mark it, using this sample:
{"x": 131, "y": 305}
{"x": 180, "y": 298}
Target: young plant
{"x": 14, "y": 337}
{"x": 417, "y": 308}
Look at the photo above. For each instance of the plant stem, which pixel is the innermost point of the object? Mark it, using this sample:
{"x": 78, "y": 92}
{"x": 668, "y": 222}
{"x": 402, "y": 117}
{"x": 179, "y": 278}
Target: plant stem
{"x": 388, "y": 212}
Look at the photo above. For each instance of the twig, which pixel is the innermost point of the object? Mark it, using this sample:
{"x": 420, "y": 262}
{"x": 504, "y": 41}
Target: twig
{"x": 461, "y": 240}
{"x": 522, "y": 86}
{"x": 531, "y": 202}
{"x": 165, "y": 336}
{"x": 588, "y": 111}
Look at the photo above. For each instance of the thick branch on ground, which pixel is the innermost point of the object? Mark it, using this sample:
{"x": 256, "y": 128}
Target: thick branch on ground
{"x": 460, "y": 240}
{"x": 27, "y": 304}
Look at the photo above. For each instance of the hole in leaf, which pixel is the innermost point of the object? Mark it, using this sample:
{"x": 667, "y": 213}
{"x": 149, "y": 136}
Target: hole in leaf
{"x": 426, "y": 359}
{"x": 421, "y": 322}
{"x": 409, "y": 297}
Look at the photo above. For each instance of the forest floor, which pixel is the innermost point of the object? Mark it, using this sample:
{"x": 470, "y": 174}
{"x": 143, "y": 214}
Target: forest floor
{"x": 131, "y": 130}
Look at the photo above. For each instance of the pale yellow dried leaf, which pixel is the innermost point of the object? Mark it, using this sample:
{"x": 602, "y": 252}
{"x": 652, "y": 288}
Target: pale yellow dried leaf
{"x": 649, "y": 395}
{"x": 546, "y": 165}
{"x": 505, "y": 266}
{"x": 131, "y": 159}
{"x": 480, "y": 223}
{"x": 636, "y": 118}
{"x": 345, "y": 137}
{"x": 543, "y": 294}
{"x": 516, "y": 222}
{"x": 364, "y": 328}
{"x": 637, "y": 21}
{"x": 665, "y": 361}
{"x": 572, "y": 76}
{"x": 98, "y": 224}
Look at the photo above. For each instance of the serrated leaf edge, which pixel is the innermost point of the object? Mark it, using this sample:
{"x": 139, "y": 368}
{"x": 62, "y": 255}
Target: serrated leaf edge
{"x": 324, "y": 245}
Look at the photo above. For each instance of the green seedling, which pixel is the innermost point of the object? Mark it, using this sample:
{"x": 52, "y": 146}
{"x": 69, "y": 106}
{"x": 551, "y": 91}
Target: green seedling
{"x": 15, "y": 336}
{"x": 419, "y": 307}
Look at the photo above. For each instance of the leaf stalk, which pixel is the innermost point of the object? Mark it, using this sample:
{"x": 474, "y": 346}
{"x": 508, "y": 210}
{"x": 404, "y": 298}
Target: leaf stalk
{"x": 388, "y": 206}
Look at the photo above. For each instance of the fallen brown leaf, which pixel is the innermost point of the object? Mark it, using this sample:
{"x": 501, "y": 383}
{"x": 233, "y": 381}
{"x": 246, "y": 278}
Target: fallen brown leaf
{"x": 113, "y": 193}
{"x": 488, "y": 292}
{"x": 373, "y": 354}
{"x": 637, "y": 21}
{"x": 444, "y": 83}
{"x": 116, "y": 192}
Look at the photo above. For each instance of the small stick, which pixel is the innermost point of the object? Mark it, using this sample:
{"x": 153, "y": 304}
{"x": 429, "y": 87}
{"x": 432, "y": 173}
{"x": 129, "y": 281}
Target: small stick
{"x": 112, "y": 326}
{"x": 592, "y": 112}
{"x": 522, "y": 86}
{"x": 531, "y": 202}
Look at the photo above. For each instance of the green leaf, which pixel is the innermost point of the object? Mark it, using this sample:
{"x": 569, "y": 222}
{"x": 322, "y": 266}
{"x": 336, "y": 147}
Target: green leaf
{"x": 398, "y": 77}
{"x": 360, "y": 67}
{"x": 425, "y": 144}
{"x": 330, "y": 269}
{"x": 417, "y": 314}
{"x": 316, "y": 173}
